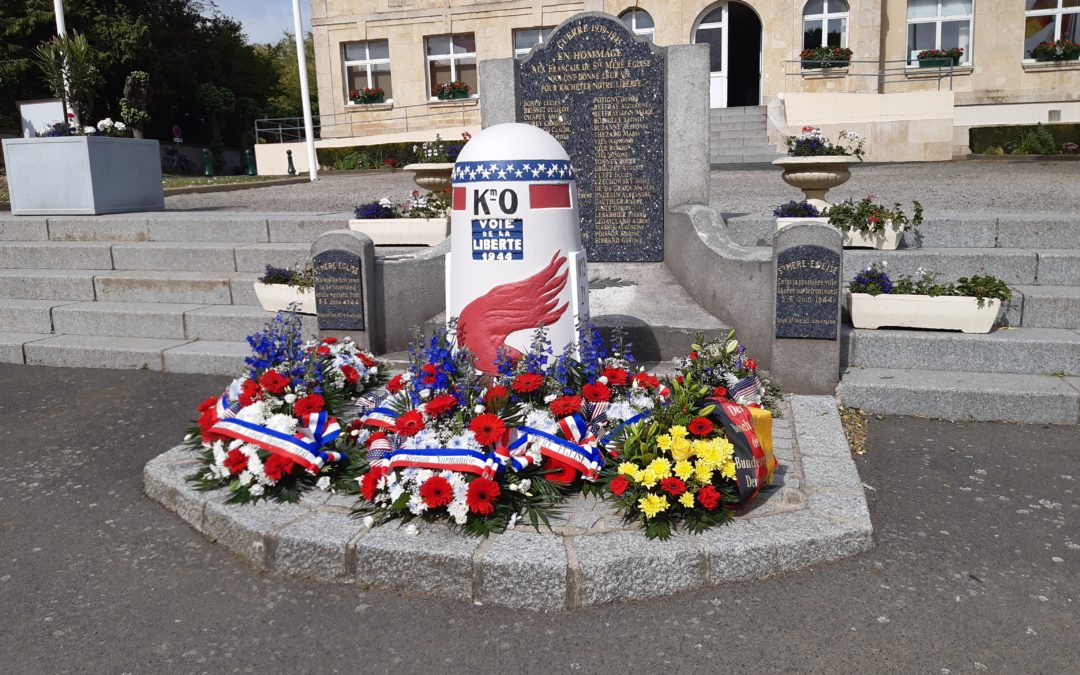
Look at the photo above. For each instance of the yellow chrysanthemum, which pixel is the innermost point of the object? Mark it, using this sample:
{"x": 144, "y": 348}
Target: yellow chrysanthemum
{"x": 652, "y": 504}
{"x": 664, "y": 442}
{"x": 630, "y": 469}
{"x": 660, "y": 467}
{"x": 648, "y": 477}
{"x": 684, "y": 469}
{"x": 728, "y": 469}
{"x": 703, "y": 472}
{"x": 678, "y": 431}
{"x": 687, "y": 500}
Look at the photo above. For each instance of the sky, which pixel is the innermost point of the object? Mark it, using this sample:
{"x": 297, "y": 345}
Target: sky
{"x": 265, "y": 20}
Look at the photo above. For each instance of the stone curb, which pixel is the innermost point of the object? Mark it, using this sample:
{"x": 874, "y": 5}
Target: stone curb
{"x": 816, "y": 513}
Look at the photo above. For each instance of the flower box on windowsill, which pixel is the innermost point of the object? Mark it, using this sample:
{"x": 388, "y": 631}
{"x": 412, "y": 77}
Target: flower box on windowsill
{"x": 403, "y": 231}
{"x": 818, "y": 64}
{"x": 369, "y": 107}
{"x": 923, "y": 311}
{"x": 1030, "y": 66}
{"x": 278, "y": 297}
{"x": 1051, "y": 59}
{"x": 454, "y": 95}
{"x": 939, "y": 62}
{"x": 451, "y": 103}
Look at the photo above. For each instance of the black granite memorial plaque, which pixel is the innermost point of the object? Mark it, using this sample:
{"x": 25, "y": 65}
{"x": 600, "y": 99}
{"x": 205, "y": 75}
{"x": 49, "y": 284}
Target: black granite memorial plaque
{"x": 339, "y": 290}
{"x": 600, "y": 92}
{"x": 807, "y": 293}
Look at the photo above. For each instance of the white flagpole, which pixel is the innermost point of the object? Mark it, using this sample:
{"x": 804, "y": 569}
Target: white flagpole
{"x": 58, "y": 7}
{"x": 305, "y": 97}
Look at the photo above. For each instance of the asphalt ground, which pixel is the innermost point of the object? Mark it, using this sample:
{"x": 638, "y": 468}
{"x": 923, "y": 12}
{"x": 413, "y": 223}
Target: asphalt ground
{"x": 976, "y": 568}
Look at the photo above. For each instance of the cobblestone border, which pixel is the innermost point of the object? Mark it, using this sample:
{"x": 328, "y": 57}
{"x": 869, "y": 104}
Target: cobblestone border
{"x": 816, "y": 513}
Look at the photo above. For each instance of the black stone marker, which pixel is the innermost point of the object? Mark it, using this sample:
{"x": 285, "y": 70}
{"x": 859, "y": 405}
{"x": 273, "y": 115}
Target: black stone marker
{"x": 339, "y": 290}
{"x": 599, "y": 90}
{"x": 807, "y": 292}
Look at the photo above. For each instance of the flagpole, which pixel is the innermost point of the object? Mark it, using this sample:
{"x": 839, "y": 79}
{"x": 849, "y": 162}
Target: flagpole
{"x": 305, "y": 96}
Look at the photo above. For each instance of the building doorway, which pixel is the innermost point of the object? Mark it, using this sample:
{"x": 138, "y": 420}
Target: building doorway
{"x": 733, "y": 32}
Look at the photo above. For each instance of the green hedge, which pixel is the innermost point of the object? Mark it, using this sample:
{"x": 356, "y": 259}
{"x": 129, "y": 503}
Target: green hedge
{"x": 1009, "y": 138}
{"x": 365, "y": 156}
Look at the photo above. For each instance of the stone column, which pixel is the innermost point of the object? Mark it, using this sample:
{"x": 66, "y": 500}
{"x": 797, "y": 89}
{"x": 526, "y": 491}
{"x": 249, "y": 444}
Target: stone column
{"x": 498, "y": 91}
{"x": 686, "y": 101}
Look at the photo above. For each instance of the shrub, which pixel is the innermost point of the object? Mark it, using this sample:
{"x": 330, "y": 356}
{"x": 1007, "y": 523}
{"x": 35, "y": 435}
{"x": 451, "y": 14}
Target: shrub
{"x": 981, "y": 138}
{"x": 1036, "y": 142}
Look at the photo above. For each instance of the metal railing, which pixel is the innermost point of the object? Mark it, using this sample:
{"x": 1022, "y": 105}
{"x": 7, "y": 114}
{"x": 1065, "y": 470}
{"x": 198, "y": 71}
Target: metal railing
{"x": 393, "y": 119}
{"x": 886, "y": 72}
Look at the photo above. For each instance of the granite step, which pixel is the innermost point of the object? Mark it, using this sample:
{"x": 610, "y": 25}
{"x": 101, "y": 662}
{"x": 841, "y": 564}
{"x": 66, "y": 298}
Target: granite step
{"x": 1050, "y": 306}
{"x": 11, "y": 345}
{"x": 1059, "y": 267}
{"x": 1012, "y": 265}
{"x": 1037, "y": 351}
{"x": 23, "y": 228}
{"x": 208, "y": 256}
{"x": 123, "y": 319}
{"x": 233, "y": 323}
{"x": 28, "y": 316}
{"x": 204, "y": 288}
{"x": 55, "y": 255}
{"x": 47, "y": 284}
{"x": 967, "y": 396}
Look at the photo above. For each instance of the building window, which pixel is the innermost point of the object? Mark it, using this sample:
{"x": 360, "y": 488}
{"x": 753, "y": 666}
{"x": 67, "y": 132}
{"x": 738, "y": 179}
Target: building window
{"x": 367, "y": 65}
{"x": 825, "y": 23}
{"x": 639, "y": 22}
{"x": 527, "y": 38}
{"x": 451, "y": 58}
{"x": 939, "y": 24}
{"x": 1050, "y": 20}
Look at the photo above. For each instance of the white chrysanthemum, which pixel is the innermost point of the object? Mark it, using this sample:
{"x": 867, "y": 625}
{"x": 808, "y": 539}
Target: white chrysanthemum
{"x": 323, "y": 483}
{"x": 549, "y": 398}
{"x": 542, "y": 421}
{"x": 478, "y": 409}
{"x": 120, "y": 126}
{"x": 254, "y": 413}
{"x": 290, "y": 398}
{"x": 458, "y": 510}
{"x": 411, "y": 529}
{"x": 425, "y": 393}
{"x": 234, "y": 388}
{"x": 395, "y": 492}
{"x": 641, "y": 403}
{"x": 246, "y": 478}
{"x": 417, "y": 505}
{"x": 285, "y": 424}
{"x": 369, "y": 522}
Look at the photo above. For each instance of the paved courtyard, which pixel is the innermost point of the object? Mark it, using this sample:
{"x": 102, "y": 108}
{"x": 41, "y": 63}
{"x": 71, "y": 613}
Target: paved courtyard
{"x": 977, "y": 566}
{"x": 975, "y": 185}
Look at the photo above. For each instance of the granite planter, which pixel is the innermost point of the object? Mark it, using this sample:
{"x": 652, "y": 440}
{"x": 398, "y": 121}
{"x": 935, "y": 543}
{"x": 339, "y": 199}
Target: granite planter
{"x": 435, "y": 177}
{"x": 403, "y": 231}
{"x": 278, "y": 297}
{"x": 923, "y": 311}
{"x": 83, "y": 175}
{"x": 886, "y": 240}
{"x": 815, "y": 176}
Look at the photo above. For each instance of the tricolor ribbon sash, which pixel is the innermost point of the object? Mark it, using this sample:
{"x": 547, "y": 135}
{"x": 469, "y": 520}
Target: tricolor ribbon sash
{"x": 451, "y": 459}
{"x": 379, "y": 417}
{"x": 751, "y": 463}
{"x": 585, "y": 457}
{"x": 304, "y": 448}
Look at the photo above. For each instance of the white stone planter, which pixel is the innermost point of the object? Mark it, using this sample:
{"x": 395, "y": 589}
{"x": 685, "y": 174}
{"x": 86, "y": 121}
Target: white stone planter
{"x": 923, "y": 311}
{"x": 403, "y": 231}
{"x": 815, "y": 176}
{"x": 435, "y": 177}
{"x": 886, "y": 240}
{"x": 83, "y": 175}
{"x": 277, "y": 297}
{"x": 780, "y": 222}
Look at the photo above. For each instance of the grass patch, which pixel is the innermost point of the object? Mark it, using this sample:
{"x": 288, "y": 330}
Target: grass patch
{"x": 196, "y": 181}
{"x": 4, "y": 197}
{"x": 855, "y": 428}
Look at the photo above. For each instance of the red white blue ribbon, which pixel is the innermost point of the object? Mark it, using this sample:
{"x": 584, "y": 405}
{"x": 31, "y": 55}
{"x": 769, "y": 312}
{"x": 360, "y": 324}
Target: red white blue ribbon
{"x": 451, "y": 459}
{"x": 579, "y": 451}
{"x": 304, "y": 448}
{"x": 381, "y": 418}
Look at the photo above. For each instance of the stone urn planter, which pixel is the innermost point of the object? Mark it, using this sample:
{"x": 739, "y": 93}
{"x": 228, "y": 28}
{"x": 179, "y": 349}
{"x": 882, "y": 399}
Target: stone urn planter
{"x": 815, "y": 176}
{"x": 923, "y": 311}
{"x": 403, "y": 231}
{"x": 781, "y": 222}
{"x": 434, "y": 177}
{"x": 278, "y": 297}
{"x": 83, "y": 175}
{"x": 886, "y": 240}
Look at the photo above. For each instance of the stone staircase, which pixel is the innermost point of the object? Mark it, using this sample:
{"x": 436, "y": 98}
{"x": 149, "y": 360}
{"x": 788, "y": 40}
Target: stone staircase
{"x": 1026, "y": 370}
{"x": 740, "y": 136}
{"x": 166, "y": 291}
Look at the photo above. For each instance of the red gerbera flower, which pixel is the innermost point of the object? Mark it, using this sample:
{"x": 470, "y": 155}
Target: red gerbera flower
{"x": 565, "y": 405}
{"x": 208, "y": 404}
{"x": 693, "y": 356}
{"x": 436, "y": 492}
{"x": 596, "y": 392}
{"x": 487, "y": 428}
{"x": 619, "y": 485}
{"x": 273, "y": 381}
{"x": 235, "y": 461}
{"x": 481, "y": 496}
{"x": 526, "y": 383}
{"x": 647, "y": 381}
{"x": 561, "y": 471}
{"x": 365, "y": 359}
{"x": 249, "y": 392}
{"x": 396, "y": 384}
{"x": 673, "y": 486}
{"x": 700, "y": 426}
{"x": 429, "y": 372}
{"x": 497, "y": 395}
{"x": 322, "y": 350}
{"x": 440, "y": 404}
{"x": 329, "y": 340}
{"x": 312, "y": 403}
{"x": 751, "y": 364}
{"x": 369, "y": 482}
{"x": 720, "y": 392}
{"x": 410, "y": 423}
{"x": 708, "y": 497}
{"x": 615, "y": 376}
{"x": 277, "y": 466}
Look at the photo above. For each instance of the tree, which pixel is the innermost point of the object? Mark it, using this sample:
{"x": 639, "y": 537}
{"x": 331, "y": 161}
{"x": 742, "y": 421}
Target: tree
{"x": 133, "y": 107}
{"x": 67, "y": 64}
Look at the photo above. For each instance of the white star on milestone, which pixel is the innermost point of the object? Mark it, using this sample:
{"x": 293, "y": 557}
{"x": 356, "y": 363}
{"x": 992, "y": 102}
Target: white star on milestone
{"x": 485, "y": 173}
{"x": 535, "y": 172}
{"x": 562, "y": 171}
{"x": 517, "y": 173}
{"x": 472, "y": 173}
{"x": 509, "y": 167}
{"x": 527, "y": 167}
{"x": 502, "y": 173}
{"x": 551, "y": 171}
{"x": 541, "y": 167}
{"x": 492, "y": 167}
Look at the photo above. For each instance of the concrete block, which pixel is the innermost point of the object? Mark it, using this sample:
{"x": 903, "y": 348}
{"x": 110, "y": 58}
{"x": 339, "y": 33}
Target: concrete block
{"x": 247, "y": 529}
{"x": 1045, "y": 350}
{"x": 806, "y": 538}
{"x": 90, "y": 351}
{"x": 1039, "y": 231}
{"x": 179, "y": 256}
{"x": 45, "y": 284}
{"x": 747, "y": 231}
{"x": 208, "y": 358}
{"x": 74, "y": 255}
{"x": 27, "y": 316}
{"x": 436, "y": 560}
{"x": 1013, "y": 266}
{"x": 317, "y": 546}
{"x": 739, "y": 551}
{"x": 499, "y": 84}
{"x": 23, "y": 228}
{"x": 205, "y": 226}
{"x": 950, "y": 395}
{"x": 204, "y": 288}
{"x": 255, "y": 257}
{"x": 233, "y": 323}
{"x": 954, "y": 232}
{"x": 305, "y": 230}
{"x": 165, "y": 481}
{"x": 1051, "y": 306}
{"x": 11, "y": 345}
{"x": 686, "y": 116}
{"x": 98, "y": 228}
{"x": 242, "y": 289}
{"x": 622, "y": 565}
{"x": 830, "y": 474}
{"x": 817, "y": 423}
{"x": 122, "y": 319}
{"x": 524, "y": 569}
{"x": 1059, "y": 267}
{"x": 839, "y": 507}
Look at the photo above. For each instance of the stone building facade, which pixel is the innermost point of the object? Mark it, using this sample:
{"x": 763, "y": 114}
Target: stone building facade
{"x": 409, "y": 47}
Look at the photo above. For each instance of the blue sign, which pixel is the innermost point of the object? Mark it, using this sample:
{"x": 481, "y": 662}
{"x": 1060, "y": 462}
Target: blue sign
{"x": 497, "y": 239}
